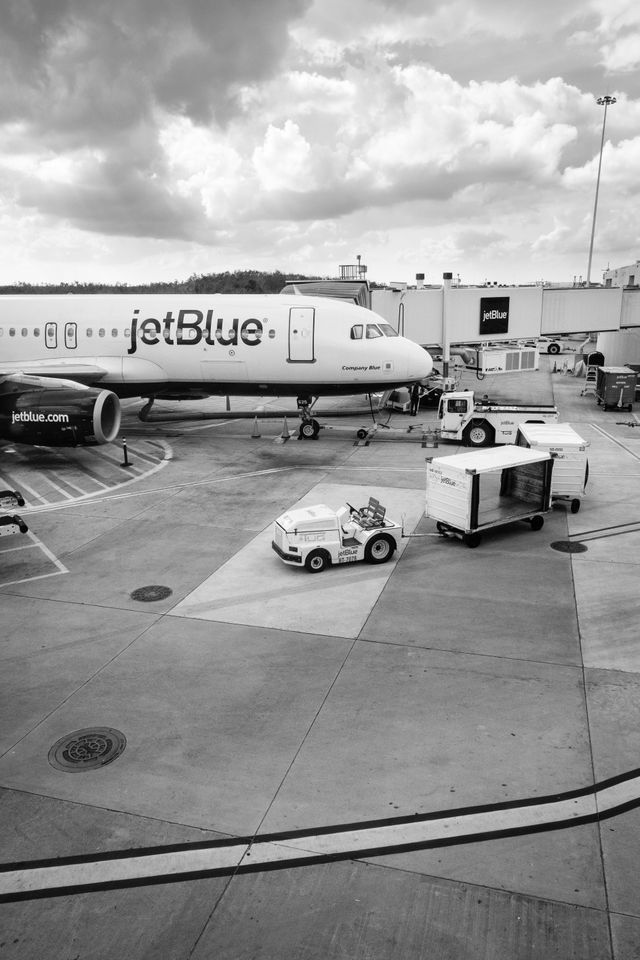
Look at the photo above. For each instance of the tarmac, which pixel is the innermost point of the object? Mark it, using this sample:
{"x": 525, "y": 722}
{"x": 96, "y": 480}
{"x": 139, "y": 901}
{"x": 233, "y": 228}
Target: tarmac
{"x": 207, "y": 753}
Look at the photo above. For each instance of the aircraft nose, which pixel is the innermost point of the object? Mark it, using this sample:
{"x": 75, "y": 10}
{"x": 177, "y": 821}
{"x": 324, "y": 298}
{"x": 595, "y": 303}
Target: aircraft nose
{"x": 420, "y": 363}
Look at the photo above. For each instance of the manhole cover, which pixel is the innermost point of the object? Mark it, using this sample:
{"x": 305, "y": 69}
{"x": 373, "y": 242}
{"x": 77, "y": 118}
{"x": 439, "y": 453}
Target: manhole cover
{"x": 566, "y": 546}
{"x": 153, "y": 592}
{"x": 87, "y": 749}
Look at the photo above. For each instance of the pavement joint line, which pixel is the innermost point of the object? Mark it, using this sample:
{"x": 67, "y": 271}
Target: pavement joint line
{"x": 63, "y": 876}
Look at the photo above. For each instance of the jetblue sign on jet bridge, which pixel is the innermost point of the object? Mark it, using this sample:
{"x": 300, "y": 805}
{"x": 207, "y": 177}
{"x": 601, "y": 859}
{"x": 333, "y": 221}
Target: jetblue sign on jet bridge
{"x": 193, "y": 326}
{"x": 494, "y": 315}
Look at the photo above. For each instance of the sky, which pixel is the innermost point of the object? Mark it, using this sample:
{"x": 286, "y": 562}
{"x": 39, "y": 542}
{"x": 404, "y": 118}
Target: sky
{"x": 147, "y": 140}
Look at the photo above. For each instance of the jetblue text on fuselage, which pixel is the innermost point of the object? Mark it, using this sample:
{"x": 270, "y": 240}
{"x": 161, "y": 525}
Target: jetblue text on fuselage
{"x": 194, "y": 326}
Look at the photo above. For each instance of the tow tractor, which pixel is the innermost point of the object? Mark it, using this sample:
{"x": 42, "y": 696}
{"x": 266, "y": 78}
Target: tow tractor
{"x": 11, "y": 523}
{"x": 316, "y": 537}
{"x": 480, "y": 422}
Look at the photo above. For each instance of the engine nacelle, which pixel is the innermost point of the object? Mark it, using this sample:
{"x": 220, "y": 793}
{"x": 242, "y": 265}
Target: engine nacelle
{"x": 60, "y": 418}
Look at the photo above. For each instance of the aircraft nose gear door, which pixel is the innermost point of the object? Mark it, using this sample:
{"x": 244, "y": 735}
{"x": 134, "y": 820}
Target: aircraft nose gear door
{"x": 301, "y": 335}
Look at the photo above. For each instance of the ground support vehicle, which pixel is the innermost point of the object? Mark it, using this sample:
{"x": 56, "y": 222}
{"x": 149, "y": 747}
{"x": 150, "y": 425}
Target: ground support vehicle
{"x": 616, "y": 387}
{"x": 432, "y": 389}
{"x": 11, "y": 523}
{"x": 318, "y": 536}
{"x": 569, "y": 452}
{"x": 469, "y": 493}
{"x": 480, "y": 422}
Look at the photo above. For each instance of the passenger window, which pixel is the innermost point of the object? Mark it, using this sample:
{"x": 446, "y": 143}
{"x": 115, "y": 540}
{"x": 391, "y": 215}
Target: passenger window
{"x": 36, "y": 331}
{"x": 114, "y": 332}
{"x": 356, "y": 332}
{"x": 373, "y": 331}
{"x": 12, "y": 331}
{"x": 272, "y": 334}
{"x": 101, "y": 332}
{"x": 89, "y": 332}
{"x": 24, "y": 331}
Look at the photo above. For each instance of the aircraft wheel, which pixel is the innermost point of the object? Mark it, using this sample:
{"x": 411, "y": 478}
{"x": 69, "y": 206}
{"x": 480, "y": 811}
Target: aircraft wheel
{"x": 309, "y": 429}
{"x": 379, "y": 549}
{"x": 317, "y": 561}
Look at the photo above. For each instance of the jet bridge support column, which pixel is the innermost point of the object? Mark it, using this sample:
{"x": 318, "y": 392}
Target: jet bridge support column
{"x": 446, "y": 350}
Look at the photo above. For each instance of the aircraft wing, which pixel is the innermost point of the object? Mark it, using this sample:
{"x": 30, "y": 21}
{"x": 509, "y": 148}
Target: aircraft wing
{"x": 45, "y": 374}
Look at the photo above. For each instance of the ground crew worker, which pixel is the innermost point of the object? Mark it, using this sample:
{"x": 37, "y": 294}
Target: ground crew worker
{"x": 416, "y": 393}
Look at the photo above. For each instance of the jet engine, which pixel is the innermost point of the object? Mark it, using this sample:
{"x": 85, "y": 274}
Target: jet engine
{"x": 61, "y": 417}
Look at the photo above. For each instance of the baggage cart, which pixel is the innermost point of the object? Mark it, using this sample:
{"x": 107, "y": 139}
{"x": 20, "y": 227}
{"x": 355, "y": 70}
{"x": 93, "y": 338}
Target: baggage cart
{"x": 569, "y": 452}
{"x": 469, "y": 493}
{"x": 616, "y": 387}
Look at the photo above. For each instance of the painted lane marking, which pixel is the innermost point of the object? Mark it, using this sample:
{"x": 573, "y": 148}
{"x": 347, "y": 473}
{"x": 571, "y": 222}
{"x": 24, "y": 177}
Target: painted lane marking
{"x": 615, "y": 440}
{"x": 36, "y": 542}
{"x": 87, "y": 471}
{"x": 46, "y": 508}
{"x": 179, "y": 862}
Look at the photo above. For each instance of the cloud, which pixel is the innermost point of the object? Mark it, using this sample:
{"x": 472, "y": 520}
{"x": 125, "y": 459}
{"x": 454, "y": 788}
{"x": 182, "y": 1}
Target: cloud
{"x": 259, "y": 130}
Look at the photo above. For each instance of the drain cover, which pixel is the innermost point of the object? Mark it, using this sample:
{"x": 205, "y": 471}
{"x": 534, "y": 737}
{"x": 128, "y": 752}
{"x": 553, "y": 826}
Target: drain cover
{"x": 87, "y": 749}
{"x": 566, "y": 546}
{"x": 153, "y": 592}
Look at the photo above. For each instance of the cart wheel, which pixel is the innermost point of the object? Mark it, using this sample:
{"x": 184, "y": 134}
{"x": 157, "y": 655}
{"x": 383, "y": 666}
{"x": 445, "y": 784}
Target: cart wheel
{"x": 440, "y": 527}
{"x": 317, "y": 561}
{"x": 379, "y": 549}
{"x": 361, "y": 433}
{"x": 575, "y": 506}
{"x": 472, "y": 539}
{"x": 630, "y": 407}
{"x": 553, "y": 348}
{"x": 537, "y": 522}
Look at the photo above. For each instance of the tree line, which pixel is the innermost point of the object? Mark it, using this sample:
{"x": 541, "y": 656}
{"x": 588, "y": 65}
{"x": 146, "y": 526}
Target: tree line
{"x": 239, "y": 281}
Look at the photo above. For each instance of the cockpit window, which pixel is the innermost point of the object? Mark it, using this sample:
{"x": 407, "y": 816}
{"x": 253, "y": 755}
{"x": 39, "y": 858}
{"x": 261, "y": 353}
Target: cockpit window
{"x": 388, "y": 330}
{"x": 356, "y": 332}
{"x": 373, "y": 331}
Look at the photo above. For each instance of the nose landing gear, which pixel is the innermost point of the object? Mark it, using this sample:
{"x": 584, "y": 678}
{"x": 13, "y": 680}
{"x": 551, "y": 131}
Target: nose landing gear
{"x": 309, "y": 428}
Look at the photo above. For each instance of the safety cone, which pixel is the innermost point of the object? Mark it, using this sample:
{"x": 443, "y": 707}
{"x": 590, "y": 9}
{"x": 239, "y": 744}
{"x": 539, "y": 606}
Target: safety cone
{"x": 256, "y": 432}
{"x": 285, "y": 430}
{"x": 555, "y": 367}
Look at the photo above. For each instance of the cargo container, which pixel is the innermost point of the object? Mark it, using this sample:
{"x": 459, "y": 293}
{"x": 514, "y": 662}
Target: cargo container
{"x": 569, "y": 452}
{"x": 469, "y": 493}
{"x": 616, "y": 387}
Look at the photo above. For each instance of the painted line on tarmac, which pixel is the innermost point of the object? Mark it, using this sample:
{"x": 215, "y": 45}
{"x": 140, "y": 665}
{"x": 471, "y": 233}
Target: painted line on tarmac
{"x": 92, "y": 498}
{"x": 60, "y": 567}
{"x": 179, "y": 862}
{"x": 616, "y": 440}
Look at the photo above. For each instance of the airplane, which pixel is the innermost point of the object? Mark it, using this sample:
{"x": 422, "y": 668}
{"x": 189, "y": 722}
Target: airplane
{"x": 66, "y": 360}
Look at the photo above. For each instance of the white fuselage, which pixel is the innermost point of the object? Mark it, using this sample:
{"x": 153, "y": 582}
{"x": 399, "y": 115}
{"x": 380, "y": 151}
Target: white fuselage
{"x": 199, "y": 344}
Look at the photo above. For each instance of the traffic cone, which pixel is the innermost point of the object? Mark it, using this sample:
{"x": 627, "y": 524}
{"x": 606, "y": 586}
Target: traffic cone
{"x": 285, "y": 430}
{"x": 256, "y": 432}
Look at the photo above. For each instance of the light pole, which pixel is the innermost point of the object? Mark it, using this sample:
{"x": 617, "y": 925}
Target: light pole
{"x": 605, "y": 102}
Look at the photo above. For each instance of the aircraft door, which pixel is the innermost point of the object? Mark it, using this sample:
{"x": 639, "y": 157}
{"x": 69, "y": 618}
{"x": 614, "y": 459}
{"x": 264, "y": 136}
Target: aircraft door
{"x": 301, "y": 335}
{"x": 51, "y": 335}
{"x": 71, "y": 336}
